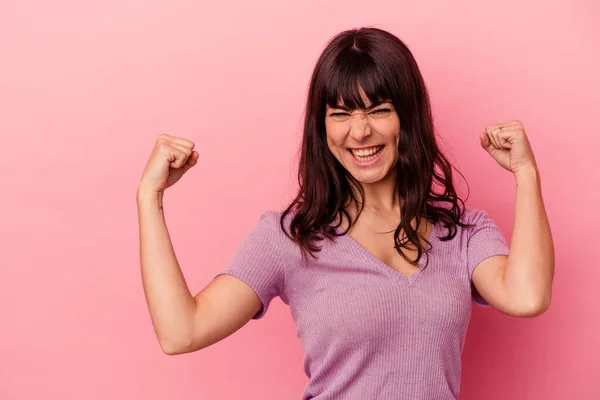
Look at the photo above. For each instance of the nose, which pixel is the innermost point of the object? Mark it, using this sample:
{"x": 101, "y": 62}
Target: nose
{"x": 359, "y": 127}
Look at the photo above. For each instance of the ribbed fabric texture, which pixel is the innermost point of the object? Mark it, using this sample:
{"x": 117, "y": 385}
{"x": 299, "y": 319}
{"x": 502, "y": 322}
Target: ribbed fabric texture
{"x": 367, "y": 331}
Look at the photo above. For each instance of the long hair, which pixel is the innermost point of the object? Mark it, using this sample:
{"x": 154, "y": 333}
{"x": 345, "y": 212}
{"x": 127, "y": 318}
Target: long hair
{"x": 382, "y": 66}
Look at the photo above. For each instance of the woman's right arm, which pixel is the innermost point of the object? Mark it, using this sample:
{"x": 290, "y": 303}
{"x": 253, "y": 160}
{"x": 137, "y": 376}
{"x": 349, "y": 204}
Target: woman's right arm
{"x": 183, "y": 323}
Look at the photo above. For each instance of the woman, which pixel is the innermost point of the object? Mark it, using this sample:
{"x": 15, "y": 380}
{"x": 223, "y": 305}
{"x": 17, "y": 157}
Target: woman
{"x": 378, "y": 267}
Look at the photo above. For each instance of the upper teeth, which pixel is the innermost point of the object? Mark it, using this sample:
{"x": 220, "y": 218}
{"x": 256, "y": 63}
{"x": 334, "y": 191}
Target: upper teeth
{"x": 365, "y": 152}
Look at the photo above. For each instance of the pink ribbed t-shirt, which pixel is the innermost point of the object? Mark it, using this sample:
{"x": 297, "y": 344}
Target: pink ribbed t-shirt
{"x": 368, "y": 331}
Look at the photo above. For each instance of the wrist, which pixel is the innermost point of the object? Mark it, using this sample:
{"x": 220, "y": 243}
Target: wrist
{"x": 527, "y": 175}
{"x": 144, "y": 194}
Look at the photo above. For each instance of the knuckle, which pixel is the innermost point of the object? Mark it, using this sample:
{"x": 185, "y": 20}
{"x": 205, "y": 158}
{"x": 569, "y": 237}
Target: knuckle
{"x": 163, "y": 145}
{"x": 187, "y": 143}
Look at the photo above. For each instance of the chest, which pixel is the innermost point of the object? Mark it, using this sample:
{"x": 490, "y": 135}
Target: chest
{"x": 380, "y": 243}
{"x": 381, "y": 246}
{"x": 349, "y": 296}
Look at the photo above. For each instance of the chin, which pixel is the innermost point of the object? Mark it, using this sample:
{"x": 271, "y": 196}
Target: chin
{"x": 369, "y": 177}
{"x": 374, "y": 175}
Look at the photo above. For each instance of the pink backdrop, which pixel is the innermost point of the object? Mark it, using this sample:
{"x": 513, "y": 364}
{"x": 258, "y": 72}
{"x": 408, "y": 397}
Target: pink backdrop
{"x": 85, "y": 88}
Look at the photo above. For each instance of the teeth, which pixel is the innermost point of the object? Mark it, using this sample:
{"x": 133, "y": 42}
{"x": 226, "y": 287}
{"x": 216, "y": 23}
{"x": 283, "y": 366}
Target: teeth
{"x": 365, "y": 153}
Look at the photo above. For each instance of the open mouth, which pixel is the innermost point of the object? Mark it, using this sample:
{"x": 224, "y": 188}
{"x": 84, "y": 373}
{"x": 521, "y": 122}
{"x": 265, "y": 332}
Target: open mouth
{"x": 366, "y": 155}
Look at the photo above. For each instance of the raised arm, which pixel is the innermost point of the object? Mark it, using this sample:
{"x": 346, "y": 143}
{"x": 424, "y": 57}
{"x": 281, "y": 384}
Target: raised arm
{"x": 182, "y": 322}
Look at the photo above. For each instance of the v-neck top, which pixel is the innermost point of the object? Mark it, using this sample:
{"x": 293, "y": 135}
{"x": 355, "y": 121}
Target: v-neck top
{"x": 367, "y": 330}
{"x": 371, "y": 258}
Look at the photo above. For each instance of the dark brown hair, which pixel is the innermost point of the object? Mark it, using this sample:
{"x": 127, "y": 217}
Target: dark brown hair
{"x": 382, "y": 66}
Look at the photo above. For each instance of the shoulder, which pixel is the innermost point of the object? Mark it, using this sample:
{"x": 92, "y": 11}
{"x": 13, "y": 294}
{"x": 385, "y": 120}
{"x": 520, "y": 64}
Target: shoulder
{"x": 278, "y": 231}
{"x": 478, "y": 218}
{"x": 479, "y": 224}
{"x": 272, "y": 225}
{"x": 271, "y": 219}
{"x": 483, "y": 228}
{"x": 473, "y": 215}
{"x": 470, "y": 216}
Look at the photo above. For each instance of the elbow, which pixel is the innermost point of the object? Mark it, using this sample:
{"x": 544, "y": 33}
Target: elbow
{"x": 170, "y": 349}
{"x": 533, "y": 308}
{"x": 180, "y": 339}
{"x": 174, "y": 347}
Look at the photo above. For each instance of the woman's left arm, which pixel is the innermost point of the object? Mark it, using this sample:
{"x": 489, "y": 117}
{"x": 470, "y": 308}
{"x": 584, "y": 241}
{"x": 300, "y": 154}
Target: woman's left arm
{"x": 530, "y": 268}
{"x": 520, "y": 285}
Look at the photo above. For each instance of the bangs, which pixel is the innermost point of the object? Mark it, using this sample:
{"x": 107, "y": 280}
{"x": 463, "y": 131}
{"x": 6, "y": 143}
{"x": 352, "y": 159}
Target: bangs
{"x": 351, "y": 72}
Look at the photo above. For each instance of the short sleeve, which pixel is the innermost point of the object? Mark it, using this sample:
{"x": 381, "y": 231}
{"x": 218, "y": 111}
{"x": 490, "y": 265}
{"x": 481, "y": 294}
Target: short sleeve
{"x": 484, "y": 240}
{"x": 257, "y": 261}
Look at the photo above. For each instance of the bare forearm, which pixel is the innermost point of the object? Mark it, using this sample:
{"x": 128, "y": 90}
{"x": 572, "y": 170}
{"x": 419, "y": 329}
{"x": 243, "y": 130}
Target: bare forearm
{"x": 530, "y": 269}
{"x": 169, "y": 300}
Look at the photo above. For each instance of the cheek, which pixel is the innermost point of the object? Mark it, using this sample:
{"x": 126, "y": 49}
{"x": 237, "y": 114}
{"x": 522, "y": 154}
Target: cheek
{"x": 335, "y": 139}
{"x": 393, "y": 131}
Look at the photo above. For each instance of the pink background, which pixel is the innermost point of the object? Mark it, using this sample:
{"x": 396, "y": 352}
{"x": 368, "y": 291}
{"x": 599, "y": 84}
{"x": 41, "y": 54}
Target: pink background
{"x": 85, "y": 88}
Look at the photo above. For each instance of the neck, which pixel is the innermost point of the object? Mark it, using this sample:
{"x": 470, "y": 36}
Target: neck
{"x": 381, "y": 197}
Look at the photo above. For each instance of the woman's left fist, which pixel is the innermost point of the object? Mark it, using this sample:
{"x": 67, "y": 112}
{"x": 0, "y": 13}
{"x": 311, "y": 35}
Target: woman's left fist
{"x": 507, "y": 143}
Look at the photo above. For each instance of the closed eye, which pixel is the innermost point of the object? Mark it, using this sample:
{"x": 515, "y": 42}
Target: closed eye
{"x": 381, "y": 111}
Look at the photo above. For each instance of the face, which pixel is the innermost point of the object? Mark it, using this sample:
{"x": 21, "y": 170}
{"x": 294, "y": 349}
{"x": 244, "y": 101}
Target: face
{"x": 364, "y": 142}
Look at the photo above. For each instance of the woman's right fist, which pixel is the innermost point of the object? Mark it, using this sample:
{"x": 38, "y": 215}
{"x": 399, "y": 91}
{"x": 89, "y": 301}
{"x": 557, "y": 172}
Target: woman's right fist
{"x": 171, "y": 157}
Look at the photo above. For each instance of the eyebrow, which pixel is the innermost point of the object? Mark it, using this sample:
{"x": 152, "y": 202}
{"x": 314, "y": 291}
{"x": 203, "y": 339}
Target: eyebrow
{"x": 341, "y": 107}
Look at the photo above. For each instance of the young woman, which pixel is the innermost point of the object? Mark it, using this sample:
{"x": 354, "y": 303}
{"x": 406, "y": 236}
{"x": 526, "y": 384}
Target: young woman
{"x": 377, "y": 256}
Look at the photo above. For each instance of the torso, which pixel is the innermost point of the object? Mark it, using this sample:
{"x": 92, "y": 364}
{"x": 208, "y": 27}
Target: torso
{"x": 367, "y": 330}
